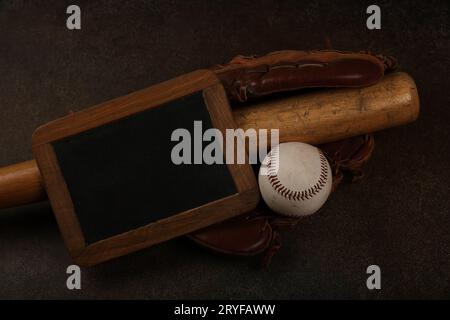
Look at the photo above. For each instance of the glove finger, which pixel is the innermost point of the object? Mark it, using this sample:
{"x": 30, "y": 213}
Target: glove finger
{"x": 252, "y": 77}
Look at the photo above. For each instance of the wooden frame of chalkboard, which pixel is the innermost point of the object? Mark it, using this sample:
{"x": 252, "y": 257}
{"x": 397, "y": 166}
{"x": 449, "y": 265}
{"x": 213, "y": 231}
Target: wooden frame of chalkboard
{"x": 84, "y": 253}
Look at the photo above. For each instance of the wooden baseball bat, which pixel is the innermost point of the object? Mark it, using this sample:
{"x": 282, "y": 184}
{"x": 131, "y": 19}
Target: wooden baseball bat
{"x": 315, "y": 118}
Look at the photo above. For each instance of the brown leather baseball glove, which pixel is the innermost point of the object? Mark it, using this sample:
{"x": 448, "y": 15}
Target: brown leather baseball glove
{"x": 245, "y": 78}
{"x": 252, "y": 77}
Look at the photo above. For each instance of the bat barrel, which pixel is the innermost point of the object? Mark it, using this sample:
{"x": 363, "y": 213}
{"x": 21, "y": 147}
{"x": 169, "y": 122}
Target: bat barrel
{"x": 330, "y": 115}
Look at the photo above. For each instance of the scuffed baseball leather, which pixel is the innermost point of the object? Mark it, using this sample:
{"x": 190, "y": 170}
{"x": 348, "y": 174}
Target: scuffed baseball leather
{"x": 258, "y": 231}
{"x": 246, "y": 77}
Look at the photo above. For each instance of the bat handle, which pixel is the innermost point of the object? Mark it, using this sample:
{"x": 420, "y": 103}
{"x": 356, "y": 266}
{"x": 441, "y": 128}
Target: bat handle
{"x": 21, "y": 184}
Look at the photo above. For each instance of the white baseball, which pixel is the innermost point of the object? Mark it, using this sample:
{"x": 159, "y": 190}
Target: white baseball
{"x": 295, "y": 179}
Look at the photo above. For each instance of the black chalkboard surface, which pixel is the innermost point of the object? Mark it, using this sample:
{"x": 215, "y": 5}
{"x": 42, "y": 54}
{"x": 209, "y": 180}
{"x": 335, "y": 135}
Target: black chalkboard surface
{"x": 110, "y": 178}
{"x": 121, "y": 176}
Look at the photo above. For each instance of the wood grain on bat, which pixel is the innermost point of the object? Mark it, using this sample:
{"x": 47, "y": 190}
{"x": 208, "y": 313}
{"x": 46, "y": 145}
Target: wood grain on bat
{"x": 330, "y": 115}
{"x": 21, "y": 184}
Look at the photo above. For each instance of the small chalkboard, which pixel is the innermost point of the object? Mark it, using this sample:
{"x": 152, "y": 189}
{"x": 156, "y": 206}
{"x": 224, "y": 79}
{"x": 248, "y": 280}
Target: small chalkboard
{"x": 111, "y": 180}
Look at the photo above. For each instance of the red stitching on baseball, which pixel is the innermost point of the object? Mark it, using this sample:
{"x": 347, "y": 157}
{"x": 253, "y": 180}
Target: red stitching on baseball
{"x": 303, "y": 194}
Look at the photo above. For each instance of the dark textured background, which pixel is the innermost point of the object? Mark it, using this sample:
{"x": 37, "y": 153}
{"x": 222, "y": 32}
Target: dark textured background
{"x": 398, "y": 217}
